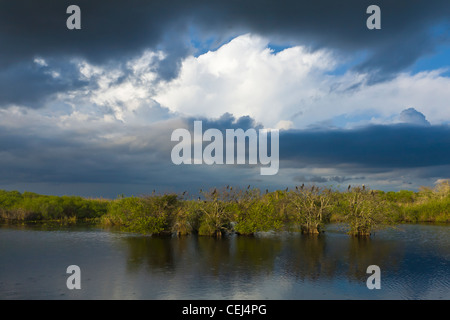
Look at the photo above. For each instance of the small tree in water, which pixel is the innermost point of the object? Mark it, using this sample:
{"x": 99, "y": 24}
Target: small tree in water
{"x": 311, "y": 207}
{"x": 364, "y": 211}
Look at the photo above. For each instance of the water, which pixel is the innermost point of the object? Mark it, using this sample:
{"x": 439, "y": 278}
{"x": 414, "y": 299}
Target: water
{"x": 414, "y": 262}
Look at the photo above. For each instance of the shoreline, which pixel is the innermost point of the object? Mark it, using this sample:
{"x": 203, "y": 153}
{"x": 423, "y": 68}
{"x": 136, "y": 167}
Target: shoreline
{"x": 244, "y": 211}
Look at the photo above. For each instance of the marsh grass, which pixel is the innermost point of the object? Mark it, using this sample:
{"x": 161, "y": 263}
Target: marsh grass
{"x": 244, "y": 211}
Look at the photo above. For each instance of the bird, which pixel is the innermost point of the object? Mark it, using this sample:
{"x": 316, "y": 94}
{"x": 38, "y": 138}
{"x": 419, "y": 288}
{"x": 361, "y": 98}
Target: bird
{"x": 349, "y": 186}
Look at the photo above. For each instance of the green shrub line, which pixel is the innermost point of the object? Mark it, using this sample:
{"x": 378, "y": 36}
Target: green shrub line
{"x": 244, "y": 211}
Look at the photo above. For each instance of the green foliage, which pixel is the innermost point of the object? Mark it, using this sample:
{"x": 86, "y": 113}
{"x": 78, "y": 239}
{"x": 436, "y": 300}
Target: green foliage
{"x": 430, "y": 205}
{"x": 310, "y": 207}
{"x": 366, "y": 211}
{"x": 402, "y": 196}
{"x": 31, "y": 206}
{"x": 255, "y": 213}
{"x": 146, "y": 215}
{"x": 244, "y": 211}
{"x": 187, "y": 218}
{"x": 215, "y": 213}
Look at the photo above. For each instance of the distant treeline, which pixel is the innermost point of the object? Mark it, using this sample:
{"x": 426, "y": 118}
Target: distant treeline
{"x": 29, "y": 206}
{"x": 243, "y": 211}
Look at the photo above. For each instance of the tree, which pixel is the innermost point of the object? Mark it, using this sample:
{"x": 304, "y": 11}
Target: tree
{"x": 365, "y": 211}
{"x": 311, "y": 206}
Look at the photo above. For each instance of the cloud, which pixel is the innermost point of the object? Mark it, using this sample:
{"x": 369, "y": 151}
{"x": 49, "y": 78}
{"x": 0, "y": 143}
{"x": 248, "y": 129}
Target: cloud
{"x": 369, "y": 147}
{"x": 296, "y": 87}
{"x": 330, "y": 179}
{"x": 128, "y": 156}
{"x": 97, "y": 106}
{"x": 413, "y": 116}
{"x": 110, "y": 30}
{"x": 32, "y": 83}
{"x": 114, "y": 30}
{"x": 85, "y": 150}
{"x": 244, "y": 77}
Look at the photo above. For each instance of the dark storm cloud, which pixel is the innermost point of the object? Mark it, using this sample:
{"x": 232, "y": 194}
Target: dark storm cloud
{"x": 43, "y": 154}
{"x": 226, "y": 121}
{"x": 28, "y": 82}
{"x": 117, "y": 30}
{"x": 140, "y": 155}
{"x": 380, "y": 146}
{"x": 46, "y": 153}
{"x": 109, "y": 29}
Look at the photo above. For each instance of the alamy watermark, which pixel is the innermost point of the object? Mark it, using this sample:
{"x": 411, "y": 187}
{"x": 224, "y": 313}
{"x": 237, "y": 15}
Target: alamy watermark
{"x": 256, "y": 150}
{"x": 74, "y": 280}
{"x": 373, "y": 281}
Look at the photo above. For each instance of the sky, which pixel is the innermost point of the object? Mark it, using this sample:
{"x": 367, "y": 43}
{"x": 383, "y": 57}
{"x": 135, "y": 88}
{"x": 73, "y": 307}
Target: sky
{"x": 91, "y": 111}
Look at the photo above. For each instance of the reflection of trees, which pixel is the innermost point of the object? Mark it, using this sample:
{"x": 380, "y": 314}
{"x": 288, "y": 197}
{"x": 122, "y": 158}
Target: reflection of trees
{"x": 306, "y": 258}
{"x": 363, "y": 252}
{"x": 213, "y": 254}
{"x": 237, "y": 255}
{"x": 152, "y": 252}
{"x": 331, "y": 256}
{"x": 208, "y": 255}
{"x": 256, "y": 254}
{"x": 298, "y": 256}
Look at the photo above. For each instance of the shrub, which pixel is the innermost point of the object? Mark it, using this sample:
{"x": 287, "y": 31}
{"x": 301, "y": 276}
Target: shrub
{"x": 365, "y": 212}
{"x": 215, "y": 214}
{"x": 149, "y": 215}
{"x": 310, "y": 207}
{"x": 255, "y": 213}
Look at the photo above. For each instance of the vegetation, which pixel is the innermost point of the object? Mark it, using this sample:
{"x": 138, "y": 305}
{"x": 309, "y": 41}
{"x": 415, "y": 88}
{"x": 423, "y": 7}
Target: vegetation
{"x": 30, "y": 206}
{"x": 365, "y": 210}
{"x": 311, "y": 207}
{"x": 145, "y": 215}
{"x": 242, "y": 211}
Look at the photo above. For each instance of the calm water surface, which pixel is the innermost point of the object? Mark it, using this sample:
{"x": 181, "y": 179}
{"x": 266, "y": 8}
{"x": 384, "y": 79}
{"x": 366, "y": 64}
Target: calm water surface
{"x": 414, "y": 262}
